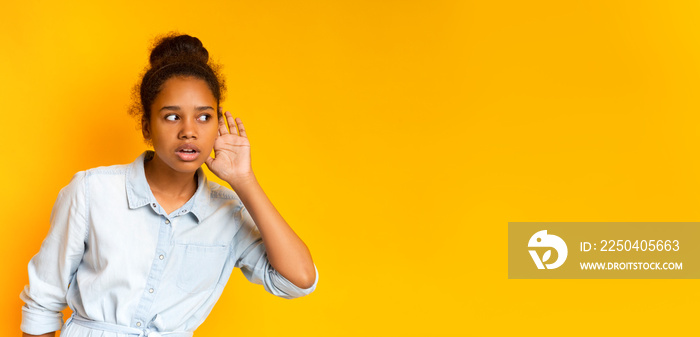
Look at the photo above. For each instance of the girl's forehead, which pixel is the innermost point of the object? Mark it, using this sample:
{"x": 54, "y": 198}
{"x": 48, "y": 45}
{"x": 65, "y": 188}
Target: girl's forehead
{"x": 185, "y": 89}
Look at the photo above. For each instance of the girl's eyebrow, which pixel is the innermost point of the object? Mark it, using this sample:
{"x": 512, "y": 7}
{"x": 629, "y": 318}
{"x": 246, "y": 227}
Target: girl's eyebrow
{"x": 177, "y": 108}
{"x": 170, "y": 107}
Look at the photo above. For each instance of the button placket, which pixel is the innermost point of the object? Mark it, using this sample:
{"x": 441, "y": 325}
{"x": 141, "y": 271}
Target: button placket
{"x": 155, "y": 275}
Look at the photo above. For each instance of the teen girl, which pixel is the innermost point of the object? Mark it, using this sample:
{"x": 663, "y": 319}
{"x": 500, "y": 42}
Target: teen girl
{"x": 145, "y": 249}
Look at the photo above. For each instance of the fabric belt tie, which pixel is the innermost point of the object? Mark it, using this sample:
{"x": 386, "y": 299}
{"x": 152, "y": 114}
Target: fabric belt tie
{"x": 153, "y": 328}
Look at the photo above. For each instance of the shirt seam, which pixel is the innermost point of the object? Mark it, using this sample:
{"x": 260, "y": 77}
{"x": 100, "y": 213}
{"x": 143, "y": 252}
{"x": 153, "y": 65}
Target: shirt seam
{"x": 86, "y": 195}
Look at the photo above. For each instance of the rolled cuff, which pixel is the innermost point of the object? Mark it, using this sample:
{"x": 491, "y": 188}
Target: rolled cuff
{"x": 36, "y": 322}
{"x": 287, "y": 289}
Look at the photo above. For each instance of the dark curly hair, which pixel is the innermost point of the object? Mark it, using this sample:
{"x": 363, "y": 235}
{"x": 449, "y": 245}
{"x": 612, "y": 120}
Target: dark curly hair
{"x": 174, "y": 55}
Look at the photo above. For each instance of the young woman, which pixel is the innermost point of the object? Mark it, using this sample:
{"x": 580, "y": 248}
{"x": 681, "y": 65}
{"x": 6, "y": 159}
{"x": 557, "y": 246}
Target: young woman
{"x": 145, "y": 249}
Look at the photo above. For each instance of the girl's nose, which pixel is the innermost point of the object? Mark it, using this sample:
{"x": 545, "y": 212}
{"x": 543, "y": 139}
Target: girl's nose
{"x": 188, "y": 130}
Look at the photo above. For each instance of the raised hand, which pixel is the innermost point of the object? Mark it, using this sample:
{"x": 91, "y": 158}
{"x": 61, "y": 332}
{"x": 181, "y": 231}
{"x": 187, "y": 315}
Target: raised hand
{"x": 231, "y": 160}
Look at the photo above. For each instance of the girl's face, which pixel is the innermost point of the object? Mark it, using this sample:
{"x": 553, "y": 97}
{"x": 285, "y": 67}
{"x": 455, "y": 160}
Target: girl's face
{"x": 183, "y": 124}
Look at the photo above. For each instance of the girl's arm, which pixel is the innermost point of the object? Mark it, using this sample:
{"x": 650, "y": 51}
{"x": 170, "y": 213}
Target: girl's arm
{"x": 232, "y": 163}
{"x": 286, "y": 251}
{"x": 51, "y": 270}
{"x": 50, "y": 334}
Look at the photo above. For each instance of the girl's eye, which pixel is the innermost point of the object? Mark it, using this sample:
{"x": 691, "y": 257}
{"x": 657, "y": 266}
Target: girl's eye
{"x": 204, "y": 118}
{"x": 171, "y": 117}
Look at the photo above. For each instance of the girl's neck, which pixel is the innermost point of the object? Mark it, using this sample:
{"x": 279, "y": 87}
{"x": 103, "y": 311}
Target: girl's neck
{"x": 165, "y": 181}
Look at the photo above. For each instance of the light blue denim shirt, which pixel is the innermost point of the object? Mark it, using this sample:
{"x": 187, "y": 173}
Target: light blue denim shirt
{"x": 126, "y": 268}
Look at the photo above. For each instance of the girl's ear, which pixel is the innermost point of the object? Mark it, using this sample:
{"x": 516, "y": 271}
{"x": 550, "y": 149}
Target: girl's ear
{"x": 146, "y": 129}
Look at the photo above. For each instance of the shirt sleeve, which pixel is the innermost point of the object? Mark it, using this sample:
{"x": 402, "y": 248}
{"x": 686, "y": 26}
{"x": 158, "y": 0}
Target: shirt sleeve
{"x": 253, "y": 262}
{"x": 51, "y": 270}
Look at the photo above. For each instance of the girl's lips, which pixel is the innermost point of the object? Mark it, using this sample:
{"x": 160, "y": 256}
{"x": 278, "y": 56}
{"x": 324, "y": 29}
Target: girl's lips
{"x": 187, "y": 146}
{"x": 187, "y": 152}
{"x": 187, "y": 156}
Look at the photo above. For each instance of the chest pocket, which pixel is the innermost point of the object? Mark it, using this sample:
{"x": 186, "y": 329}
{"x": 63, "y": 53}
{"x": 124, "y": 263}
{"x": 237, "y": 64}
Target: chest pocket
{"x": 200, "y": 267}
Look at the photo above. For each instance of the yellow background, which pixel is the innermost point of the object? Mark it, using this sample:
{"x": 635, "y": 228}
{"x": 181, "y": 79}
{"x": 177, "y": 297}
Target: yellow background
{"x": 398, "y": 138}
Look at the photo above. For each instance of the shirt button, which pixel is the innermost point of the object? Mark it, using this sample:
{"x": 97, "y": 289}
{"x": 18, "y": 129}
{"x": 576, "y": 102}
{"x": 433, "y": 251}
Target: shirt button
{"x": 184, "y": 211}
{"x": 151, "y": 290}
{"x": 161, "y": 257}
{"x": 167, "y": 222}
{"x": 153, "y": 204}
{"x": 138, "y": 323}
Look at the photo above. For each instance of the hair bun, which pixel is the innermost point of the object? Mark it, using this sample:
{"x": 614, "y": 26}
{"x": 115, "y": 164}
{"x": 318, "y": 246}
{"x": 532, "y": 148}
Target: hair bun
{"x": 178, "y": 48}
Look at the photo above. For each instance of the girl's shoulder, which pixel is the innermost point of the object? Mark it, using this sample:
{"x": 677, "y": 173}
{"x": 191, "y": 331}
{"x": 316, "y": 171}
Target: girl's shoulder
{"x": 81, "y": 179}
{"x": 107, "y": 170}
{"x": 217, "y": 191}
{"x": 222, "y": 198}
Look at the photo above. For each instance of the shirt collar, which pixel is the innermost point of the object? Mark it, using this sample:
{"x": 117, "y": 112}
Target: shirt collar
{"x": 139, "y": 194}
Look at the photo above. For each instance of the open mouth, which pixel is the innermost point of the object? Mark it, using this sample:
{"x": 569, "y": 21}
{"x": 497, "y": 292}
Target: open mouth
{"x": 187, "y": 152}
